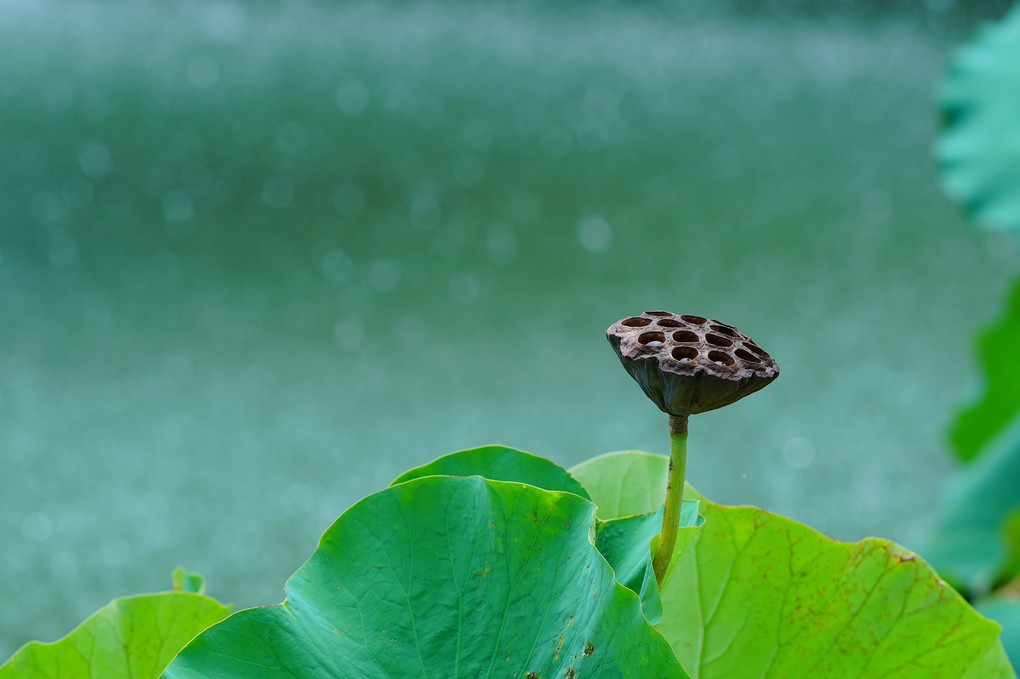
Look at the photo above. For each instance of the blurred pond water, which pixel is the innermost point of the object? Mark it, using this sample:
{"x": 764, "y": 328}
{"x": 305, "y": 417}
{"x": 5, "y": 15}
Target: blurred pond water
{"x": 254, "y": 263}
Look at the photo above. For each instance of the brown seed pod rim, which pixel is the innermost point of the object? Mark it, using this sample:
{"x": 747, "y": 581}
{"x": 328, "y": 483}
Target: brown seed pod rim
{"x": 689, "y": 344}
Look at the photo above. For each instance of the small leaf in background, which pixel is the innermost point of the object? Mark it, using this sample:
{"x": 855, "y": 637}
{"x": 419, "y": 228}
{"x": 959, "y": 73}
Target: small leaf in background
{"x": 626, "y": 543}
{"x": 1011, "y": 542}
{"x": 445, "y": 576}
{"x": 129, "y": 638}
{"x": 979, "y": 149}
{"x": 759, "y": 595}
{"x": 500, "y": 463}
{"x": 998, "y": 350}
{"x": 186, "y": 581}
{"x": 972, "y": 538}
{"x": 629, "y": 488}
{"x": 1005, "y": 609}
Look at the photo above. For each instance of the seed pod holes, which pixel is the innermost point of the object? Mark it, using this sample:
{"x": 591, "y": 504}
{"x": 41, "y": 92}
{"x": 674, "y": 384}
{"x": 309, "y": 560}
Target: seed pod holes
{"x": 689, "y": 364}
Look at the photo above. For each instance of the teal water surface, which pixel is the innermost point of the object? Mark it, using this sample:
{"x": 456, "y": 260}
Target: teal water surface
{"x": 254, "y": 263}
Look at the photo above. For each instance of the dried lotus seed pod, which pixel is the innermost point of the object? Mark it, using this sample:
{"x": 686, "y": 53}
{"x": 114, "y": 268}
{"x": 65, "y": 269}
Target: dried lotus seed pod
{"x": 690, "y": 364}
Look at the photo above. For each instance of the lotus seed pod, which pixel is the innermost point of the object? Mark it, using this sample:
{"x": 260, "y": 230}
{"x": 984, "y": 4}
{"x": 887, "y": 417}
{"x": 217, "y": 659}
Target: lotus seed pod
{"x": 690, "y": 364}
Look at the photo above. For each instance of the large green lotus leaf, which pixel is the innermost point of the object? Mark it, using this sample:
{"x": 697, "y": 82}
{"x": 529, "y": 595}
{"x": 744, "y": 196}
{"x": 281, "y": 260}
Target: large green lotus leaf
{"x": 754, "y": 594}
{"x": 624, "y": 483}
{"x": 1006, "y": 611}
{"x": 500, "y": 463}
{"x": 624, "y": 542}
{"x": 979, "y": 150}
{"x": 757, "y": 594}
{"x": 130, "y": 638}
{"x": 999, "y": 401}
{"x": 445, "y": 577}
{"x": 975, "y": 535}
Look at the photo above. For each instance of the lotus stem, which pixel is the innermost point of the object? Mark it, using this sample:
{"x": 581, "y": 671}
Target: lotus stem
{"x": 686, "y": 364}
{"x": 674, "y": 496}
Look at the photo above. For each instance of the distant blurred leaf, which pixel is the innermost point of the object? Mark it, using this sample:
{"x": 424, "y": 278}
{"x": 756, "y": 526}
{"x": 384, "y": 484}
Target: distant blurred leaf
{"x": 1005, "y": 610}
{"x": 186, "y": 581}
{"x": 979, "y": 150}
{"x": 970, "y": 543}
{"x": 999, "y": 351}
{"x": 500, "y": 463}
{"x": 1011, "y": 542}
{"x": 130, "y": 638}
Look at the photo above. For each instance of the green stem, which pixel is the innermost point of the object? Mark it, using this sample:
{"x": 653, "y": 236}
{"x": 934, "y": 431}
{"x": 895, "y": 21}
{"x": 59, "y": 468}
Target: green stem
{"x": 674, "y": 495}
